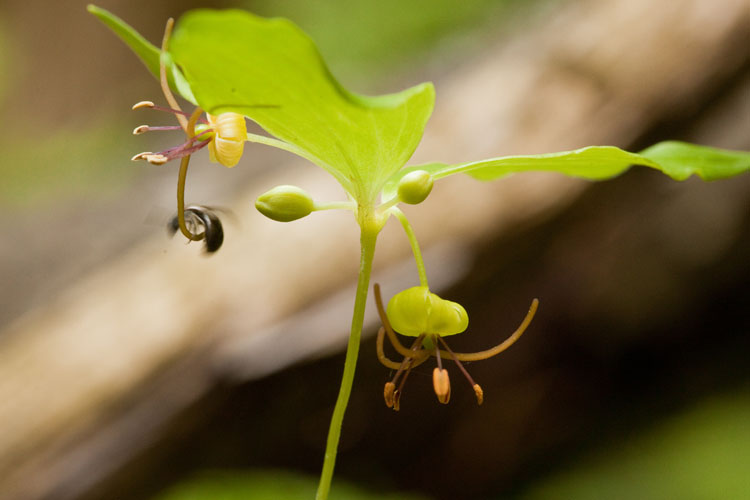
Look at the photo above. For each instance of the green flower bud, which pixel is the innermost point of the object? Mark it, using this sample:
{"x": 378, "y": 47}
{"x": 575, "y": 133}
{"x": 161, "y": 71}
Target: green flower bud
{"x": 285, "y": 203}
{"x": 416, "y": 311}
{"x": 414, "y": 187}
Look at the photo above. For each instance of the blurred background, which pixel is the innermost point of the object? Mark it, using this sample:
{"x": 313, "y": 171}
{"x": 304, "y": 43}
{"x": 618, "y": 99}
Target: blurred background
{"x": 134, "y": 367}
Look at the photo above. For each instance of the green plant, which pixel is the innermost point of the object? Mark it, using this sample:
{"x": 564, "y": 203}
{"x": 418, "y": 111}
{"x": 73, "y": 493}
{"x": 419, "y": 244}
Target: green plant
{"x": 233, "y": 64}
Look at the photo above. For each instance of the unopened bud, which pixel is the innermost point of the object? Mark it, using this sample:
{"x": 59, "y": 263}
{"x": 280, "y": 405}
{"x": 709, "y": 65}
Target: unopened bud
{"x": 442, "y": 384}
{"x": 414, "y": 187}
{"x": 285, "y": 203}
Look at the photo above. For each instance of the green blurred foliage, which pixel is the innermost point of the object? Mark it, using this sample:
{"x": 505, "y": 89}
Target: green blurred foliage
{"x": 703, "y": 453}
{"x": 68, "y": 163}
{"x": 268, "y": 485}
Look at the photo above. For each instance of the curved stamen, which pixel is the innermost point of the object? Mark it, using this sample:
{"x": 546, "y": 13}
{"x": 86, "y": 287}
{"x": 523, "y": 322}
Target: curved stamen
{"x": 419, "y": 356}
{"x": 153, "y": 158}
{"x": 437, "y": 351}
{"x": 156, "y": 107}
{"x": 391, "y": 394}
{"x": 143, "y": 104}
{"x": 478, "y": 356}
{"x": 400, "y": 390}
{"x": 415, "y": 348}
{"x": 187, "y": 148}
{"x": 142, "y": 129}
{"x": 162, "y": 157}
{"x": 441, "y": 384}
{"x": 384, "y": 360}
{"x": 477, "y": 388}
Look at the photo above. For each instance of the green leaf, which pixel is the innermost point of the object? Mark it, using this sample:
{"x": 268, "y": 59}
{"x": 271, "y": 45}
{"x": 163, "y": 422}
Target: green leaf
{"x": 270, "y": 71}
{"x": 147, "y": 52}
{"x": 679, "y": 160}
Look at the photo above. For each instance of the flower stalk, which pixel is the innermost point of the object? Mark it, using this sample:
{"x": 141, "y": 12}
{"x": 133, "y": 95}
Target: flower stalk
{"x": 414, "y": 244}
{"x": 368, "y": 239}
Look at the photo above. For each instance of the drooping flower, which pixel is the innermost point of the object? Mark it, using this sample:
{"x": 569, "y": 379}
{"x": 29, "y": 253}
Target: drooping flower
{"x": 417, "y": 312}
{"x": 224, "y": 135}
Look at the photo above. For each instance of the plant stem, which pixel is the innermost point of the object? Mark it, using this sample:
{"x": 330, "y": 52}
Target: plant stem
{"x": 336, "y": 205}
{"x": 367, "y": 243}
{"x": 182, "y": 178}
{"x": 414, "y": 244}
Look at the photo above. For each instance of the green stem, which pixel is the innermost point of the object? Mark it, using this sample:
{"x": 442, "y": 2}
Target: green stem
{"x": 367, "y": 242}
{"x": 383, "y": 207}
{"x": 182, "y": 177}
{"x": 414, "y": 244}
{"x": 336, "y": 205}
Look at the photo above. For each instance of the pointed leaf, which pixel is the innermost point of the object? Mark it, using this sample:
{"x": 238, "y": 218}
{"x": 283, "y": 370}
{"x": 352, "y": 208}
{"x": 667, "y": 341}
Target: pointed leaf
{"x": 269, "y": 70}
{"x": 678, "y": 160}
{"x": 147, "y": 52}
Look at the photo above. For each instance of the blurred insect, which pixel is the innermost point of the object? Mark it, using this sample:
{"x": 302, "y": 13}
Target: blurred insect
{"x": 197, "y": 216}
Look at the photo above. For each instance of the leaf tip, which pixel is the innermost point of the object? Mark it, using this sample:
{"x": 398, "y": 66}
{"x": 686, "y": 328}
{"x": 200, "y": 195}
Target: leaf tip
{"x": 93, "y": 9}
